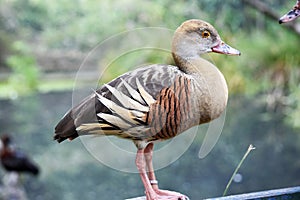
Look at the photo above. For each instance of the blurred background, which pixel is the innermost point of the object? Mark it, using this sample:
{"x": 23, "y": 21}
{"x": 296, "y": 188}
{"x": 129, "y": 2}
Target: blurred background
{"x": 43, "y": 44}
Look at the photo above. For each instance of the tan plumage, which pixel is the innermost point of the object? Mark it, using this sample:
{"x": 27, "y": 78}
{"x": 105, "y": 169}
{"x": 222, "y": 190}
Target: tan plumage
{"x": 156, "y": 102}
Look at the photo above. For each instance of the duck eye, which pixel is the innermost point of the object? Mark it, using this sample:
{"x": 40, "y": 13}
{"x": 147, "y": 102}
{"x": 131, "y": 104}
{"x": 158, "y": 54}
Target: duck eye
{"x": 205, "y": 34}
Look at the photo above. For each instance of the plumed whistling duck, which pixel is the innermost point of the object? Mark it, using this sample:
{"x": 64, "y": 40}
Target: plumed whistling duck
{"x": 292, "y": 14}
{"x": 156, "y": 102}
{"x": 14, "y": 160}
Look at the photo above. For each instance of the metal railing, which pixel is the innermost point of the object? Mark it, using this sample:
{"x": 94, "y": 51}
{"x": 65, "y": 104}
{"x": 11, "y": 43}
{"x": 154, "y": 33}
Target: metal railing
{"x": 292, "y": 193}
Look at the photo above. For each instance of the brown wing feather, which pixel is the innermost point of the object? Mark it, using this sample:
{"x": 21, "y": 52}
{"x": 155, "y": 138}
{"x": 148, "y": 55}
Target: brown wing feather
{"x": 83, "y": 112}
{"x": 92, "y": 115}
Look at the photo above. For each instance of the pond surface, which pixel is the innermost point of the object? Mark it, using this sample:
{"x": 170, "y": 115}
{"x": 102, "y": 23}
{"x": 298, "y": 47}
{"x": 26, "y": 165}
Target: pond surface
{"x": 69, "y": 171}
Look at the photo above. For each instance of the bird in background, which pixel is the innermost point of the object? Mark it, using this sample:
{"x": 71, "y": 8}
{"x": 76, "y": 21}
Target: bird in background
{"x": 156, "y": 102}
{"x": 292, "y": 14}
{"x": 14, "y": 160}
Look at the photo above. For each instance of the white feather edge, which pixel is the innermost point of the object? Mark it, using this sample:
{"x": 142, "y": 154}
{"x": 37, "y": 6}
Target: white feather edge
{"x": 117, "y": 121}
{"x": 113, "y": 107}
{"x": 146, "y": 96}
{"x": 133, "y": 92}
{"x": 125, "y": 115}
{"x": 127, "y": 101}
{"x": 96, "y": 128}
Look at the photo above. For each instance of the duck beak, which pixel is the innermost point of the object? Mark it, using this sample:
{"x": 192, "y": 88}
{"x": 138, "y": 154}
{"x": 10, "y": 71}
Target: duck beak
{"x": 224, "y": 48}
{"x": 290, "y": 16}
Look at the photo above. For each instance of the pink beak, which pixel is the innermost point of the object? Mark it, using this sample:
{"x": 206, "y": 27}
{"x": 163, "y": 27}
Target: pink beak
{"x": 224, "y": 48}
{"x": 290, "y": 16}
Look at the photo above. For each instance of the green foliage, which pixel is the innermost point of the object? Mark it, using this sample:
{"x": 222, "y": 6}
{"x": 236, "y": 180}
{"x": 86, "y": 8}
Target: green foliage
{"x": 25, "y": 73}
{"x": 261, "y": 72}
{"x": 292, "y": 111}
{"x": 269, "y": 64}
{"x": 82, "y": 24}
{"x": 30, "y": 14}
{"x": 5, "y": 47}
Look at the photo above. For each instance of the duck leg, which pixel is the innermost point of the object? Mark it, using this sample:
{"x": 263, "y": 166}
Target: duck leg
{"x": 148, "y": 152}
{"x": 141, "y": 166}
{"x": 143, "y": 162}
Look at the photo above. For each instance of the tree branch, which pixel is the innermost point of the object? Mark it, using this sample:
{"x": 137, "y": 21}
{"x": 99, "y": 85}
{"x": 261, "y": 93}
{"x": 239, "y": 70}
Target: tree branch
{"x": 267, "y": 11}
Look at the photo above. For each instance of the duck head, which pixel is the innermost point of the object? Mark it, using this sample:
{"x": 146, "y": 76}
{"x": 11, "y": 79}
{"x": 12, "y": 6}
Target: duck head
{"x": 291, "y": 15}
{"x": 196, "y": 37}
{"x": 5, "y": 140}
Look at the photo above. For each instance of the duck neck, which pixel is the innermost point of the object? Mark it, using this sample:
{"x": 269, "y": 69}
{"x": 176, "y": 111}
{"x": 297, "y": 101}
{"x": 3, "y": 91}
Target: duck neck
{"x": 210, "y": 87}
{"x": 185, "y": 63}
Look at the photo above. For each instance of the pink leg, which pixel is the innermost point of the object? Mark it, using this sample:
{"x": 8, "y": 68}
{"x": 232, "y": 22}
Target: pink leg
{"x": 149, "y": 180}
{"x": 148, "y": 152}
{"x": 141, "y": 166}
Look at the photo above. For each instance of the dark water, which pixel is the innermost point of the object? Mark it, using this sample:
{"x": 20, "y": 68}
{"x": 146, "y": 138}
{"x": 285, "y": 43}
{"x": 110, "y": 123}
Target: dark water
{"x": 70, "y": 172}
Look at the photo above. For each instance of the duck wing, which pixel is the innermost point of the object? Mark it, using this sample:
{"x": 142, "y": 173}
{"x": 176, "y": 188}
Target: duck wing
{"x": 129, "y": 105}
